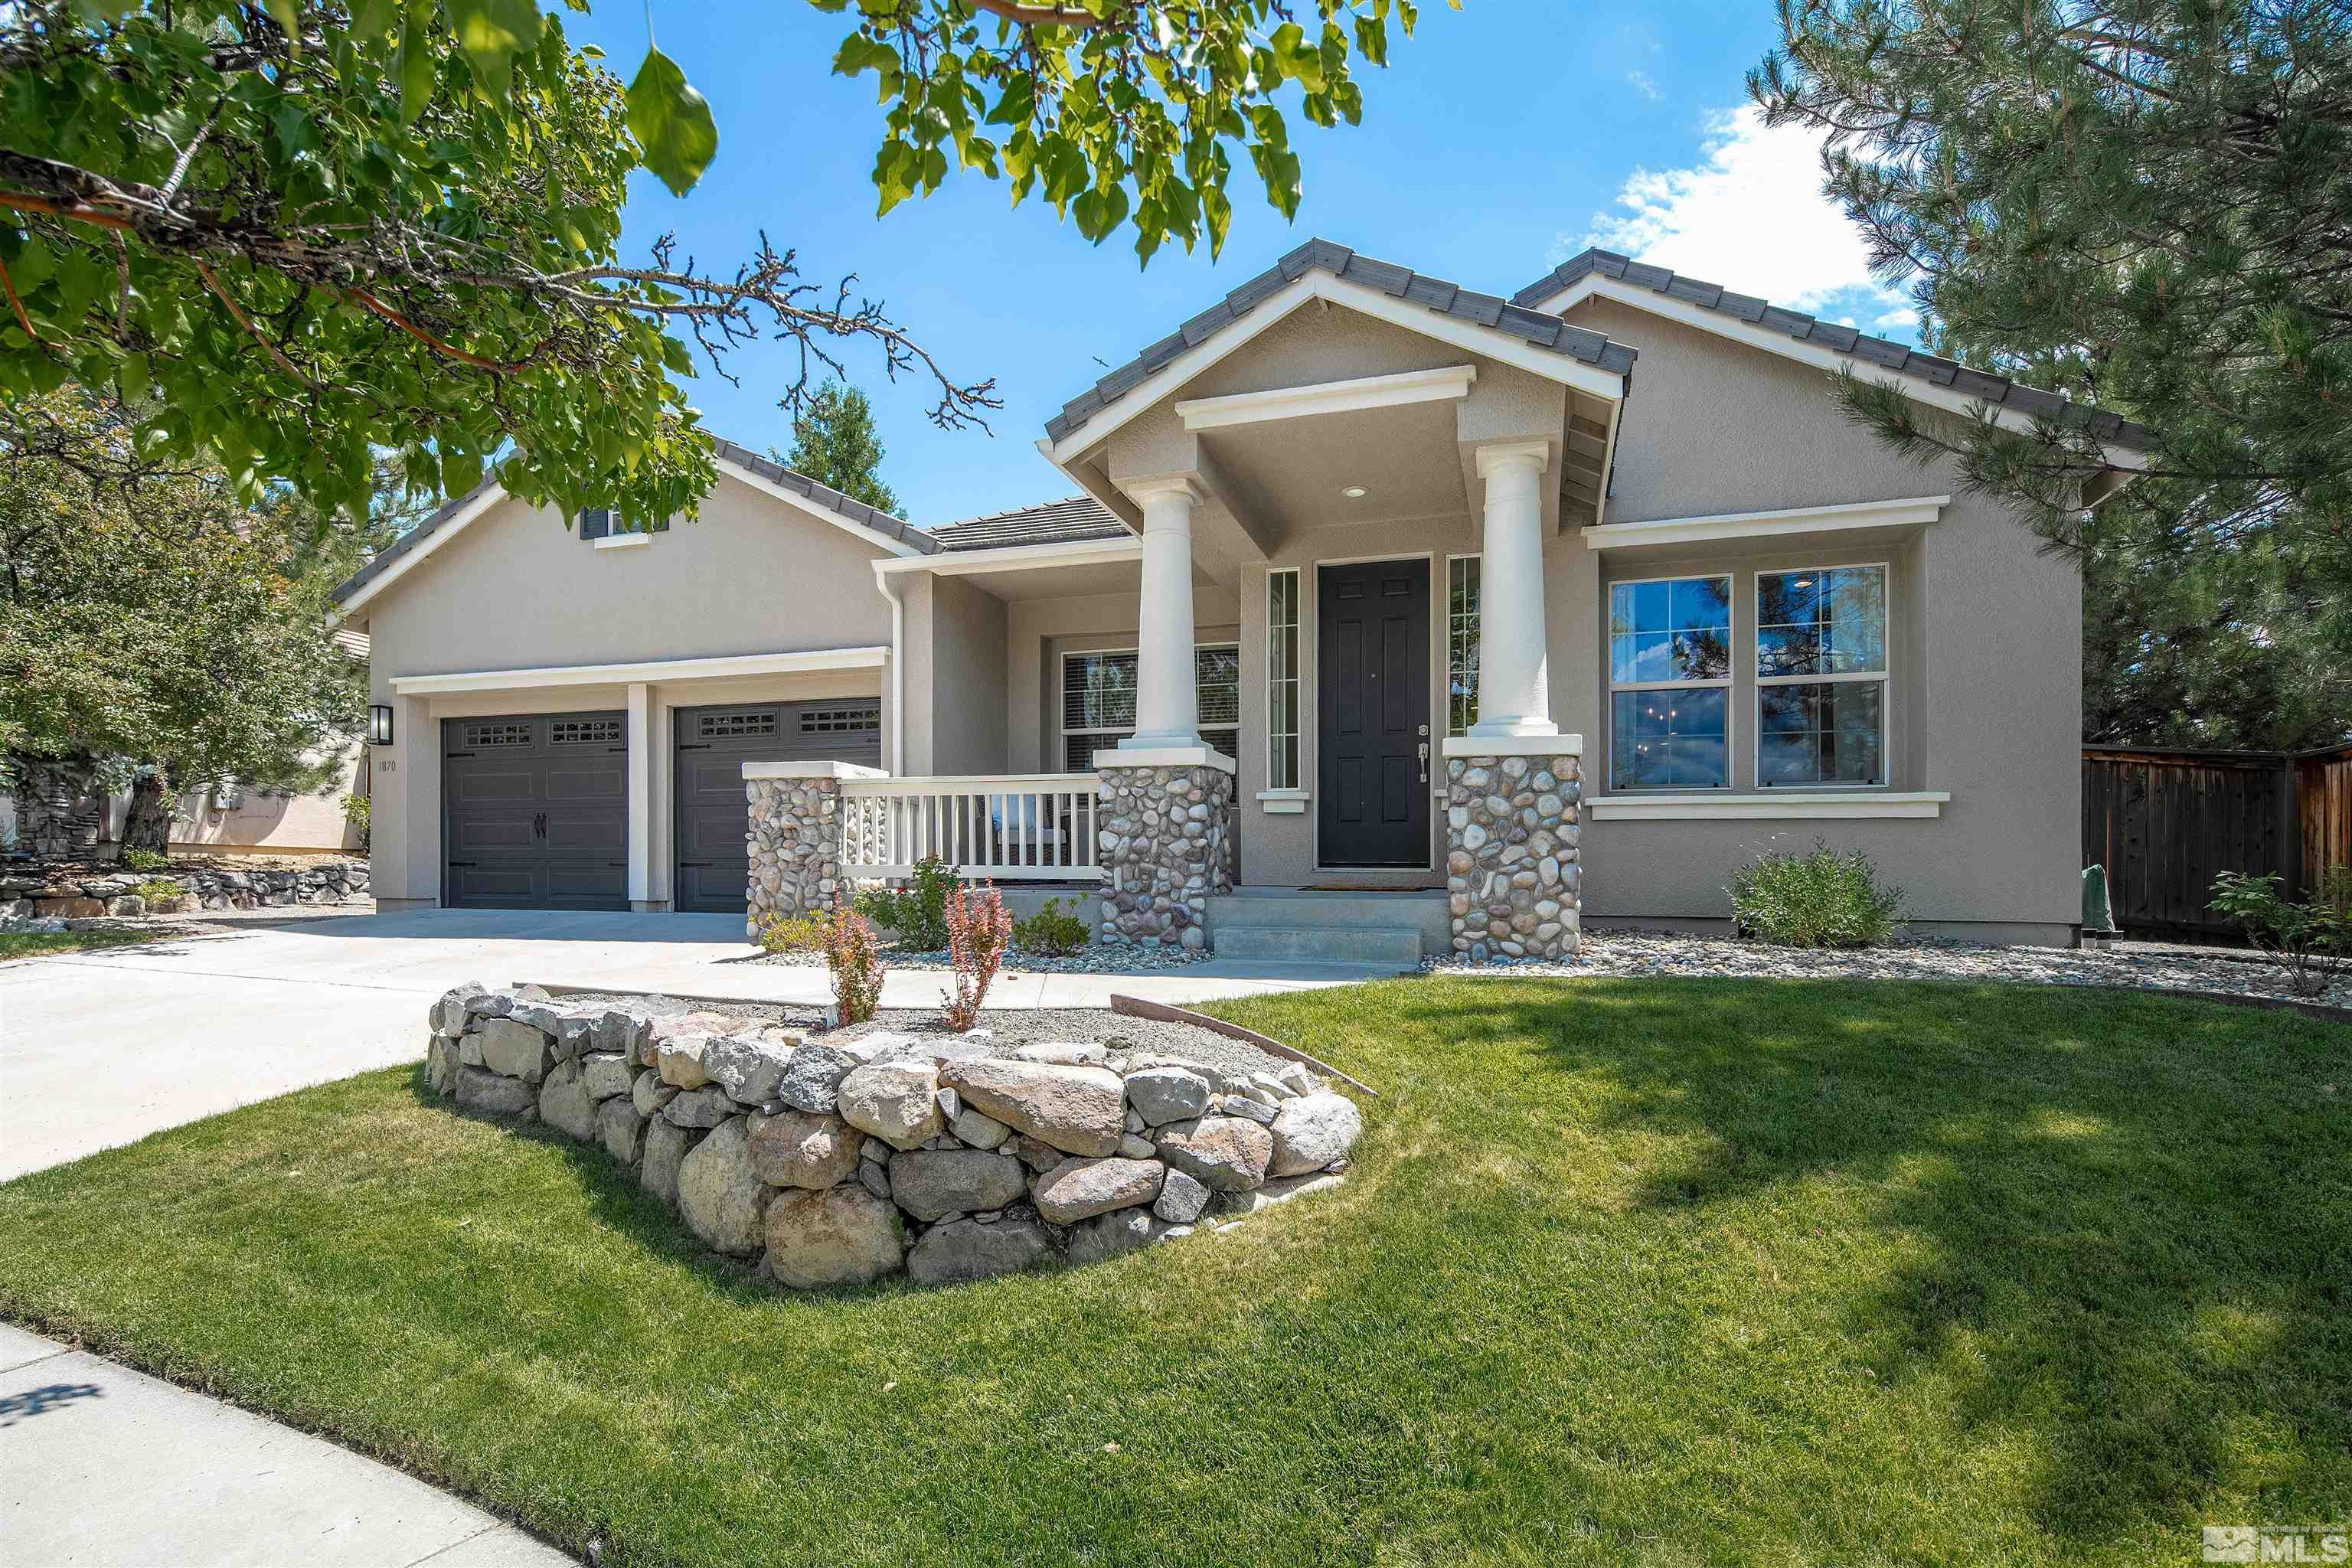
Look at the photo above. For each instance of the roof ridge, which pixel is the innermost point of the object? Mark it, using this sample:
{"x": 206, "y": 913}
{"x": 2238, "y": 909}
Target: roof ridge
{"x": 1801, "y": 326}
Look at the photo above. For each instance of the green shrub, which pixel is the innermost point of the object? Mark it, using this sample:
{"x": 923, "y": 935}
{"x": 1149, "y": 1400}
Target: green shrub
{"x": 1819, "y": 899}
{"x": 162, "y": 894}
{"x": 795, "y": 933}
{"x": 2293, "y": 936}
{"x": 146, "y": 860}
{"x": 358, "y": 810}
{"x": 917, "y": 912}
{"x": 1050, "y": 933}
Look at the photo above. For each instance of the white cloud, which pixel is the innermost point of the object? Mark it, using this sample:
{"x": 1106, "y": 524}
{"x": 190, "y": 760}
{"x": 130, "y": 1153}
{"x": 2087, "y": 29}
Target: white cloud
{"x": 1644, "y": 85}
{"x": 1749, "y": 214}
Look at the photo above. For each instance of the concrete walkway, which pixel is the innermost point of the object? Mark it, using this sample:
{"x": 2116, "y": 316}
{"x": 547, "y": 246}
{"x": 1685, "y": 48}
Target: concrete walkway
{"x": 103, "y": 1465}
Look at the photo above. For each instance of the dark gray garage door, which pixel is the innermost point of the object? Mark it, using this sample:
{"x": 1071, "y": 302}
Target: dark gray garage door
{"x": 714, "y": 864}
{"x": 536, "y": 811}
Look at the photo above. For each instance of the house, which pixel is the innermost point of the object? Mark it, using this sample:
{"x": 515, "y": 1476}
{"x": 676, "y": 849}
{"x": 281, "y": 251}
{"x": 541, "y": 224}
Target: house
{"x": 1502, "y": 614}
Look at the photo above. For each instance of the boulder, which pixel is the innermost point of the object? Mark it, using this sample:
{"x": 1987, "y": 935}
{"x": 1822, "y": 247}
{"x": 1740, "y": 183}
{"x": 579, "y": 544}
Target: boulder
{"x": 1077, "y": 1109}
{"x": 1277, "y": 1191}
{"x": 705, "y": 1107}
{"x": 624, "y": 1031}
{"x": 1223, "y": 1154}
{"x": 897, "y": 1101}
{"x": 932, "y": 1185}
{"x": 1081, "y": 1189}
{"x": 666, "y": 1144}
{"x": 1035, "y": 1155}
{"x": 967, "y": 1249}
{"x": 494, "y": 1094}
{"x": 679, "y": 1060}
{"x": 1136, "y": 1146}
{"x": 649, "y": 1093}
{"x": 804, "y": 1149}
{"x": 565, "y": 1102}
{"x": 1161, "y": 1095}
{"x": 516, "y": 1049}
{"x": 720, "y": 1196}
{"x": 748, "y": 1069}
{"x": 1065, "y": 1053}
{"x": 841, "y": 1236}
{"x": 485, "y": 1004}
{"x": 1250, "y": 1109}
{"x": 621, "y": 1129}
{"x": 441, "y": 1064}
{"x": 1312, "y": 1131}
{"x": 1181, "y": 1199}
{"x": 1108, "y": 1235}
{"x": 606, "y": 1074}
{"x": 449, "y": 1014}
{"x": 968, "y": 1126}
{"x": 813, "y": 1075}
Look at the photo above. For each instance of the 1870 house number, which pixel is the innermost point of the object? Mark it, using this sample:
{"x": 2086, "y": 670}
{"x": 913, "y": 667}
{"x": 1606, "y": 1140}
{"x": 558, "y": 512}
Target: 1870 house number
{"x": 387, "y": 766}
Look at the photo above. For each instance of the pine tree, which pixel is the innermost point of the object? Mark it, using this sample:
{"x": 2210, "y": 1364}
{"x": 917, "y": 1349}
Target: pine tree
{"x": 835, "y": 442}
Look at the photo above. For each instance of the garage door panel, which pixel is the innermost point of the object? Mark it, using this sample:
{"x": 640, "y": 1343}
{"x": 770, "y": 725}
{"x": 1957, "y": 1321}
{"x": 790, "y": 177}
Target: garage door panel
{"x": 536, "y": 811}
{"x": 581, "y": 832}
{"x": 487, "y": 835}
{"x": 509, "y": 886}
{"x": 493, "y": 784}
{"x": 602, "y": 778}
{"x": 714, "y": 863}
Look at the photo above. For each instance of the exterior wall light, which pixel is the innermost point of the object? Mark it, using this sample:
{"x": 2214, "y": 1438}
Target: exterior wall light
{"x": 380, "y": 724}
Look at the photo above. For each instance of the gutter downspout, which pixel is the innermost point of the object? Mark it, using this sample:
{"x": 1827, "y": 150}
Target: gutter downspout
{"x": 897, "y": 670}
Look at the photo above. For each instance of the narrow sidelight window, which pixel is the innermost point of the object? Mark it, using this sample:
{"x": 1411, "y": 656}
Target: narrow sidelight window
{"x": 1670, "y": 683}
{"x": 1281, "y": 680}
{"x": 1821, "y": 677}
{"x": 1461, "y": 643}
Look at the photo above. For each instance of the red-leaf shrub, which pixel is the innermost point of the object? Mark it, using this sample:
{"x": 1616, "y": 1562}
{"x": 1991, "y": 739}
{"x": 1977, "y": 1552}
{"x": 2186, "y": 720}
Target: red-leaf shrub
{"x": 854, "y": 954}
{"x": 979, "y": 931}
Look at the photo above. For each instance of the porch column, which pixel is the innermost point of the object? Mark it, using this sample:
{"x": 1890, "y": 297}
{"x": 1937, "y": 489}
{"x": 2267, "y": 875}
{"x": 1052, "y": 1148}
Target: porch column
{"x": 1167, "y": 702}
{"x": 1514, "y": 680}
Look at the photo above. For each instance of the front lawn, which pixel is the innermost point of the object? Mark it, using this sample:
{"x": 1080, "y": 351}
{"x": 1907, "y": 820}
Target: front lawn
{"x": 35, "y": 944}
{"x": 1627, "y": 1272}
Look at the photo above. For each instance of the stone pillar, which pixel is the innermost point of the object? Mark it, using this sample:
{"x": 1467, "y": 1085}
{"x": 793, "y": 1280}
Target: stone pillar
{"x": 1514, "y": 662}
{"x": 795, "y": 834}
{"x": 1512, "y": 867}
{"x": 1167, "y": 698}
{"x": 60, "y": 808}
{"x": 1166, "y": 842}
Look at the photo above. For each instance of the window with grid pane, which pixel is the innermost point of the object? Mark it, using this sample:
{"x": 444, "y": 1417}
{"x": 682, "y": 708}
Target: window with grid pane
{"x": 1462, "y": 589}
{"x": 1098, "y": 700}
{"x": 1821, "y": 677}
{"x": 1281, "y": 680}
{"x": 1670, "y": 683}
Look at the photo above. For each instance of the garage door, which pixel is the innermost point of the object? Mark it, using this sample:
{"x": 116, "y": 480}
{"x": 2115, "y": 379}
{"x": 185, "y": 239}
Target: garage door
{"x": 714, "y": 864}
{"x": 536, "y": 811}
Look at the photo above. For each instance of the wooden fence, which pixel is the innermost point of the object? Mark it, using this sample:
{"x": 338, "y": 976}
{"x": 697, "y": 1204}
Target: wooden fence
{"x": 2166, "y": 823}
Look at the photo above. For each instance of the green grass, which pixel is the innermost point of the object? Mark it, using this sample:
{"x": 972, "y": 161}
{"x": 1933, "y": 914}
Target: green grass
{"x": 1629, "y": 1272}
{"x": 33, "y": 944}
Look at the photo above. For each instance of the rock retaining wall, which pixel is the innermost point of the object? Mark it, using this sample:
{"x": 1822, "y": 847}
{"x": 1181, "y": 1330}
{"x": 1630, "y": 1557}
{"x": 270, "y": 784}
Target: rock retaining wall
{"x": 1511, "y": 869}
{"x": 938, "y": 1155}
{"x": 1166, "y": 842}
{"x": 69, "y": 892}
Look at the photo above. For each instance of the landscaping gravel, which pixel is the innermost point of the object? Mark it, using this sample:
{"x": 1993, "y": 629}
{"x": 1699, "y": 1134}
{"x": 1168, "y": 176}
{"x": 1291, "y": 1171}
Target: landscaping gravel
{"x": 1093, "y": 959}
{"x": 2162, "y": 965}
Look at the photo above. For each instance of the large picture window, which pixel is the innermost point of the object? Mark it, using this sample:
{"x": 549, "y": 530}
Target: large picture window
{"x": 1281, "y": 680}
{"x": 1461, "y": 585}
{"x": 1098, "y": 700}
{"x": 1670, "y": 683}
{"x": 1821, "y": 677}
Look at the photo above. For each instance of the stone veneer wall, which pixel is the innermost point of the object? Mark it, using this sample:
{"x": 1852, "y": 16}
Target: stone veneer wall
{"x": 795, "y": 839}
{"x": 60, "y": 806}
{"x": 1511, "y": 866}
{"x": 72, "y": 891}
{"x": 1165, "y": 837}
{"x": 937, "y": 1156}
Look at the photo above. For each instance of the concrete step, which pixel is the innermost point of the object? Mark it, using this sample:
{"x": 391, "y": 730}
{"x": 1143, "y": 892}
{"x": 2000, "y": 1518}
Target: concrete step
{"x": 1423, "y": 911}
{"x": 1399, "y": 946}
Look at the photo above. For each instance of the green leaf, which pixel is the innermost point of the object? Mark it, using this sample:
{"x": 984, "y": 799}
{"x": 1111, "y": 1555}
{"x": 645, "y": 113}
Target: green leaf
{"x": 418, "y": 72}
{"x": 371, "y": 19}
{"x": 490, "y": 32}
{"x": 672, "y": 122}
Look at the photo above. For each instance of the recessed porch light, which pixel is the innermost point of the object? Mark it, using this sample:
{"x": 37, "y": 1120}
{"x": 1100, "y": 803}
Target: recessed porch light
{"x": 1354, "y": 492}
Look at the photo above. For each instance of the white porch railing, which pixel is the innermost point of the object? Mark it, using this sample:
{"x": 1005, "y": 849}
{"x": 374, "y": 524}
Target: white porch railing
{"x": 1025, "y": 827}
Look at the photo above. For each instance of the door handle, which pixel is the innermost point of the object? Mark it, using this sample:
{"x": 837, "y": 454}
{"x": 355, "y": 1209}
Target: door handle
{"x": 1425, "y": 762}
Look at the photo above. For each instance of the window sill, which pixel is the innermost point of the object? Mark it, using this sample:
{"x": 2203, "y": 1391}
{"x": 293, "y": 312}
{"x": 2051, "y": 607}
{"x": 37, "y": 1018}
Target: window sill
{"x": 1813, "y": 804}
{"x": 623, "y": 540}
{"x": 1283, "y": 802}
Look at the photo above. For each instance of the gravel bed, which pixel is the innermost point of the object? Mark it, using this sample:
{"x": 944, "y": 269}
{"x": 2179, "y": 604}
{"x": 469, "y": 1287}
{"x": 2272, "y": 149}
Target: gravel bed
{"x": 1094, "y": 959}
{"x": 2165, "y": 966}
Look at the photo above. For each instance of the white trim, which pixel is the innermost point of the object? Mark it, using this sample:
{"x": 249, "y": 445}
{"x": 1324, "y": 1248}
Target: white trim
{"x": 490, "y": 496}
{"x": 1450, "y": 383}
{"x": 1143, "y": 487}
{"x": 1819, "y": 355}
{"x": 1017, "y": 558}
{"x": 1803, "y": 804}
{"x": 1297, "y": 683}
{"x": 623, "y": 540}
{"x": 1910, "y": 512}
{"x": 1884, "y": 676}
{"x": 1446, "y": 704}
{"x": 1494, "y": 454}
{"x": 627, "y": 674}
{"x": 1283, "y": 802}
{"x": 1514, "y": 746}
{"x": 811, "y": 770}
{"x": 1318, "y": 284}
{"x": 1164, "y": 757}
{"x": 639, "y": 731}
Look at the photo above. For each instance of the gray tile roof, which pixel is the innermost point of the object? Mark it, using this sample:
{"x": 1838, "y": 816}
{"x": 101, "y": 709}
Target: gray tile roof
{"x": 1321, "y": 254}
{"x": 1998, "y": 391}
{"x": 775, "y": 473}
{"x": 1063, "y": 521}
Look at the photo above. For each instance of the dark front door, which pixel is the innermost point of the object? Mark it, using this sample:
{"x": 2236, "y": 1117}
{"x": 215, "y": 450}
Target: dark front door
{"x": 714, "y": 859}
{"x": 535, "y": 812}
{"x": 1373, "y": 709}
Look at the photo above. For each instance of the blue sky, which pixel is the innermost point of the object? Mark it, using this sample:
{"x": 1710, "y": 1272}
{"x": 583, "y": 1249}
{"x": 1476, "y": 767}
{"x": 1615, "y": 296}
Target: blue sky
{"x": 1501, "y": 139}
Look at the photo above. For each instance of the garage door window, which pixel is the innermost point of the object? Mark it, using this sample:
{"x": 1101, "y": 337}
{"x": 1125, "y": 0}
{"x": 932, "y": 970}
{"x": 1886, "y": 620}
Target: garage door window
{"x": 585, "y": 732}
{"x": 498, "y": 734}
{"x": 735, "y": 726}
{"x": 840, "y": 721}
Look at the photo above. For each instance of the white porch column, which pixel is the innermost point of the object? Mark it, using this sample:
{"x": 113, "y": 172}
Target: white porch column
{"x": 1514, "y": 677}
{"x": 1167, "y": 700}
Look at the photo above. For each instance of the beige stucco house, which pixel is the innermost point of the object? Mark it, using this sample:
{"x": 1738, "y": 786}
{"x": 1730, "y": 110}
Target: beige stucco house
{"x": 1526, "y": 613}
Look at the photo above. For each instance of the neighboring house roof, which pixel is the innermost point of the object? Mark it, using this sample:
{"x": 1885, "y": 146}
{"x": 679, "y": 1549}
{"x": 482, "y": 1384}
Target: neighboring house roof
{"x": 466, "y": 507}
{"x": 1065, "y": 521}
{"x": 1444, "y": 299}
{"x": 1996, "y": 391}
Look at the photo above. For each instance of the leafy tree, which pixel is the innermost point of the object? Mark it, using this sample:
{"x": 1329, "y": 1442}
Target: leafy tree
{"x": 2140, "y": 205}
{"x": 321, "y": 230}
{"x": 151, "y": 620}
{"x": 834, "y": 442}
